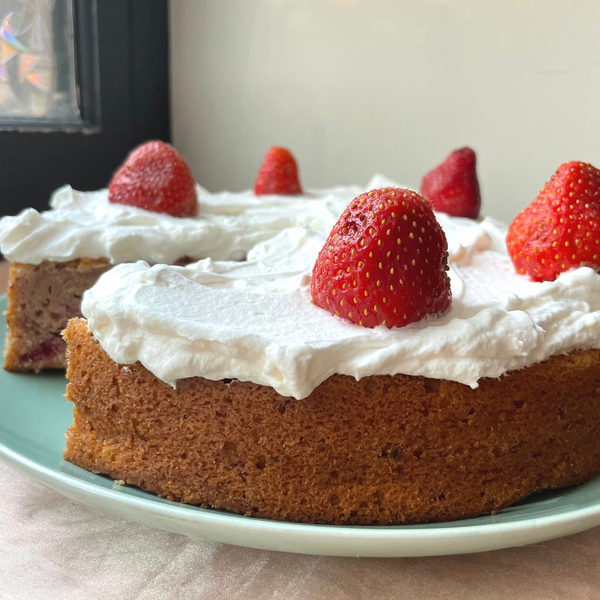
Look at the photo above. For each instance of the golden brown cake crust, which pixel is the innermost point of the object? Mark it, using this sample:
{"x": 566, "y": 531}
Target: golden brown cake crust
{"x": 41, "y": 300}
{"x": 383, "y": 450}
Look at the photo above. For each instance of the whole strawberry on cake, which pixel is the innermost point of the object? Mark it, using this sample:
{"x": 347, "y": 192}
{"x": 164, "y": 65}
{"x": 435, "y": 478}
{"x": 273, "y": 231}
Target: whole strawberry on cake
{"x": 384, "y": 262}
{"x": 560, "y": 229}
{"x": 390, "y": 366}
{"x": 452, "y": 187}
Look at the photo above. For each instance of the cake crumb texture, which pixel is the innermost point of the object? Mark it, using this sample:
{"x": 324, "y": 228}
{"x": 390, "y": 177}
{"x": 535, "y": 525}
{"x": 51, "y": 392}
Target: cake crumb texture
{"x": 383, "y": 450}
{"x": 41, "y": 300}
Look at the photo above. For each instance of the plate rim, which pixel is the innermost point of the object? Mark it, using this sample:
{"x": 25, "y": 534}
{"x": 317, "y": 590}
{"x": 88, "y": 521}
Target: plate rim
{"x": 180, "y": 511}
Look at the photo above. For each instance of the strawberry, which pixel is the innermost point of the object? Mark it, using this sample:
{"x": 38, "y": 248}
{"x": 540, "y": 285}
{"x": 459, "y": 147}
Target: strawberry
{"x": 560, "y": 229}
{"x": 384, "y": 262}
{"x": 278, "y": 174}
{"x": 452, "y": 187}
{"x": 155, "y": 177}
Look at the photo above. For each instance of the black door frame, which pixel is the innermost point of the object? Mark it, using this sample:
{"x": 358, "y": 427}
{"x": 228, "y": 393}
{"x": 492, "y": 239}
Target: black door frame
{"x": 134, "y": 107}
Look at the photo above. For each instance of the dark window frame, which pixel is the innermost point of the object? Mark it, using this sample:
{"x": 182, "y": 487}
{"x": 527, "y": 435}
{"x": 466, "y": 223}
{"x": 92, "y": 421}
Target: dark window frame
{"x": 87, "y": 64}
{"x": 133, "y": 79}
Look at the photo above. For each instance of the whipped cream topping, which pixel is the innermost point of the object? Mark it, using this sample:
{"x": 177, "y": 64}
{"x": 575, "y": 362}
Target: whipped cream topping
{"x": 254, "y": 320}
{"x": 86, "y": 225}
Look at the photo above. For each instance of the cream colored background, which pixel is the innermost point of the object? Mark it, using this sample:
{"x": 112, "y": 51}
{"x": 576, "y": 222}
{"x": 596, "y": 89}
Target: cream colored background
{"x": 358, "y": 86}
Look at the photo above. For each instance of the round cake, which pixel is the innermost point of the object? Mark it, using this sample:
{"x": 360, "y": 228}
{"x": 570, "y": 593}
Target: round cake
{"x": 220, "y": 384}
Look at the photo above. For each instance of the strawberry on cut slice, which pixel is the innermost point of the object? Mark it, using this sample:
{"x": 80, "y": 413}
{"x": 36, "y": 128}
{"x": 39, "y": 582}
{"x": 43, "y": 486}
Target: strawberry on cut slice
{"x": 384, "y": 262}
{"x": 452, "y": 187}
{"x": 155, "y": 177}
{"x": 278, "y": 174}
{"x": 560, "y": 229}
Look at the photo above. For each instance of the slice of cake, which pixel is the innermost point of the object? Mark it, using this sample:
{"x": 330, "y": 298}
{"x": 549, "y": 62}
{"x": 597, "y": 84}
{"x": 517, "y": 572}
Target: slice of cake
{"x": 58, "y": 254}
{"x": 41, "y": 300}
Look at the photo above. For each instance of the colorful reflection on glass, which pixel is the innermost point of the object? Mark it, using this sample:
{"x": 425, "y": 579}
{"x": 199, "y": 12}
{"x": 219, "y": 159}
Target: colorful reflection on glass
{"x": 37, "y": 74}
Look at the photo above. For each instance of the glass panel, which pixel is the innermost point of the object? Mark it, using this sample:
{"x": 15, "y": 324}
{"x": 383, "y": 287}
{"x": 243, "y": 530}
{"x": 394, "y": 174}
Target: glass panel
{"x": 37, "y": 63}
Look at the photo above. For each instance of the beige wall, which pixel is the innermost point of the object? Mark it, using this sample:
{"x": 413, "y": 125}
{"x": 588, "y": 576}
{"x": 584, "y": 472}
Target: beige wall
{"x": 359, "y": 86}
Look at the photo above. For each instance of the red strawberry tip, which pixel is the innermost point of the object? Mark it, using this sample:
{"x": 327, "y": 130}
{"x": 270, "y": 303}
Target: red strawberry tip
{"x": 452, "y": 187}
{"x": 278, "y": 174}
{"x": 157, "y": 178}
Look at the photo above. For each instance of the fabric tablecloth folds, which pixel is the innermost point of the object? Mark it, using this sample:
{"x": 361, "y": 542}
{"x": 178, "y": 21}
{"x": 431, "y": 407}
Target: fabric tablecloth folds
{"x": 53, "y": 548}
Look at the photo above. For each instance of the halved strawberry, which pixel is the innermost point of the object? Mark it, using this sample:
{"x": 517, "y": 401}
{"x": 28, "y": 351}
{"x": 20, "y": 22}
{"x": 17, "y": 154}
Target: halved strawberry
{"x": 384, "y": 262}
{"x": 452, "y": 187}
{"x": 155, "y": 177}
{"x": 278, "y": 174}
{"x": 560, "y": 229}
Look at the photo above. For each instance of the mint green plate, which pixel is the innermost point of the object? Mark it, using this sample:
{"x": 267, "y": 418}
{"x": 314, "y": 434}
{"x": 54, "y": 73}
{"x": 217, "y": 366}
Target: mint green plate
{"x": 34, "y": 416}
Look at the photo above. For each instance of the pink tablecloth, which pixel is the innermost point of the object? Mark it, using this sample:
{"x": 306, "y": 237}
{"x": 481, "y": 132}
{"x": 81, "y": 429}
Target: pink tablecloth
{"x": 53, "y": 548}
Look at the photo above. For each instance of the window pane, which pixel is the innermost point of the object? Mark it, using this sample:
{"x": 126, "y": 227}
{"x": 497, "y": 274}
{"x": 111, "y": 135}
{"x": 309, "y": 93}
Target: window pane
{"x": 37, "y": 63}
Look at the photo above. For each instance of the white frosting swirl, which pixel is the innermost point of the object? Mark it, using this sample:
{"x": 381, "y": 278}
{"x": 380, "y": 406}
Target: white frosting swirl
{"x": 254, "y": 320}
{"x": 86, "y": 225}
